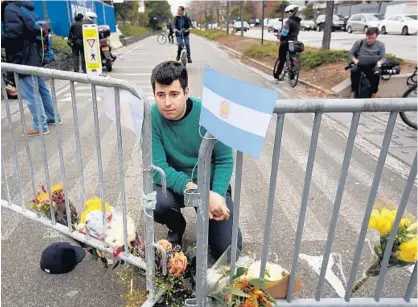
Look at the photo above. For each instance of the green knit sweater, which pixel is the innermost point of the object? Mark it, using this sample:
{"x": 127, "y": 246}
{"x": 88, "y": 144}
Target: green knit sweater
{"x": 175, "y": 149}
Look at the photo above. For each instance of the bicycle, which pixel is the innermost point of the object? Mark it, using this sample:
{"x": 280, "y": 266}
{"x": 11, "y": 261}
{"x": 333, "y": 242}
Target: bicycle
{"x": 162, "y": 38}
{"x": 183, "y": 53}
{"x": 410, "y": 118}
{"x": 292, "y": 64}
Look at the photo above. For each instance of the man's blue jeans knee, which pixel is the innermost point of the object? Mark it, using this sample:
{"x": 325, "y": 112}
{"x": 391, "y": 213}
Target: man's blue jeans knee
{"x": 180, "y": 43}
{"x": 46, "y": 107}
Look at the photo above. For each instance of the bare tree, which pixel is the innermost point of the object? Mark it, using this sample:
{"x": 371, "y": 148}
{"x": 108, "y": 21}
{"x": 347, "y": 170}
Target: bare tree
{"x": 329, "y": 14}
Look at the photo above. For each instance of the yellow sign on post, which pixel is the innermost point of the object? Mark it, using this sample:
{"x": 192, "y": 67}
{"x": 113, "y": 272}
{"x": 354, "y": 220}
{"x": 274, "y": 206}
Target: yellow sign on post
{"x": 92, "y": 49}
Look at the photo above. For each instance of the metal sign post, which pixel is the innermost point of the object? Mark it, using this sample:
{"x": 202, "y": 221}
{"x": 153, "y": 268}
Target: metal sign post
{"x": 92, "y": 49}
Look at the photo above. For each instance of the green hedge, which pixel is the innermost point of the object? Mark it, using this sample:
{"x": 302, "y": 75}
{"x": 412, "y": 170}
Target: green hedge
{"x": 131, "y": 30}
{"x": 210, "y": 34}
{"x": 311, "y": 58}
{"x": 269, "y": 49}
{"x": 316, "y": 57}
{"x": 62, "y": 54}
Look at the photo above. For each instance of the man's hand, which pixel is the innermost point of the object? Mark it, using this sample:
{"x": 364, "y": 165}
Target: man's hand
{"x": 379, "y": 64}
{"x": 191, "y": 186}
{"x": 355, "y": 61}
{"x": 218, "y": 210}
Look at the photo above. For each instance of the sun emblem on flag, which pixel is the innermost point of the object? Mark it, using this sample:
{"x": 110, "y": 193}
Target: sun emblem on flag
{"x": 224, "y": 109}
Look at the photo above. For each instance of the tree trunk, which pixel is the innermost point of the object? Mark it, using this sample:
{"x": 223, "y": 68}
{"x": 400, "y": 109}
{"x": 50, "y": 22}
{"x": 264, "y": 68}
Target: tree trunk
{"x": 218, "y": 16}
{"x": 242, "y": 17}
{"x": 329, "y": 12}
{"x": 227, "y": 16}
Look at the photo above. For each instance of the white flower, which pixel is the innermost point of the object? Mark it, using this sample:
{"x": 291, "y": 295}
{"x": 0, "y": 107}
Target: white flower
{"x": 273, "y": 271}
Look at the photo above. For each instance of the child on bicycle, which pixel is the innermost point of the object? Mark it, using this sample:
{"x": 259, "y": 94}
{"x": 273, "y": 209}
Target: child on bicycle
{"x": 289, "y": 32}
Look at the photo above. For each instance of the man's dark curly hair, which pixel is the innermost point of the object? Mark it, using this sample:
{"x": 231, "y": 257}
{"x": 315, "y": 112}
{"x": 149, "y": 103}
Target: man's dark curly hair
{"x": 168, "y": 72}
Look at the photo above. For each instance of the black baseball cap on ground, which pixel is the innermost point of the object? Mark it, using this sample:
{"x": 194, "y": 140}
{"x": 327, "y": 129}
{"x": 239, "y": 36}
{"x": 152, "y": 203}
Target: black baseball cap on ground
{"x": 61, "y": 257}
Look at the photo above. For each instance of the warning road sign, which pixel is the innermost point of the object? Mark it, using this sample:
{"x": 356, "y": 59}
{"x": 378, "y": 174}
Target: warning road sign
{"x": 92, "y": 49}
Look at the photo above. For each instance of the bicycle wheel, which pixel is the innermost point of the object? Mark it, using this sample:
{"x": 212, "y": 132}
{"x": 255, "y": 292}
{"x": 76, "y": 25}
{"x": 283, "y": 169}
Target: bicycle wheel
{"x": 162, "y": 38}
{"x": 410, "y": 118}
{"x": 276, "y": 66}
{"x": 294, "y": 70}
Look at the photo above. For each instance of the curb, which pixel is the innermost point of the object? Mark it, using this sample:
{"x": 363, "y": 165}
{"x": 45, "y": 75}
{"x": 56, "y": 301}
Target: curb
{"x": 304, "y": 82}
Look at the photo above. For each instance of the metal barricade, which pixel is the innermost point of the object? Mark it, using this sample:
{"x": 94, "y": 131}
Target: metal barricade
{"x": 318, "y": 107}
{"x": 148, "y": 197}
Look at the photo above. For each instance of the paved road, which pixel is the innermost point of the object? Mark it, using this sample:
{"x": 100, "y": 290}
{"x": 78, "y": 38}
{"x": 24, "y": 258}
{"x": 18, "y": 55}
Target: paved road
{"x": 90, "y": 285}
{"x": 402, "y": 46}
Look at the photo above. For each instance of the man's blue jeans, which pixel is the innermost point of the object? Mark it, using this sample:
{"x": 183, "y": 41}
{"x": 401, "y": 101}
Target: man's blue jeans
{"x": 44, "y": 98}
{"x": 180, "y": 43}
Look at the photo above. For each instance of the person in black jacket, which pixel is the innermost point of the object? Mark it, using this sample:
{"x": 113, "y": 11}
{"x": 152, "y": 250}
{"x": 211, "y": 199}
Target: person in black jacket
{"x": 170, "y": 33}
{"x": 19, "y": 40}
{"x": 182, "y": 25}
{"x": 289, "y": 32}
{"x": 75, "y": 40}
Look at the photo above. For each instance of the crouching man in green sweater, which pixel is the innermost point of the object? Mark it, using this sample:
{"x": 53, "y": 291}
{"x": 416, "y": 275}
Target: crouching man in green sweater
{"x": 175, "y": 147}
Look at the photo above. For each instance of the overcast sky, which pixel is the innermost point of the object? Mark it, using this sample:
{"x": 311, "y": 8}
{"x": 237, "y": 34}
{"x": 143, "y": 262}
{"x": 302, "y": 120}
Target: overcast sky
{"x": 175, "y": 4}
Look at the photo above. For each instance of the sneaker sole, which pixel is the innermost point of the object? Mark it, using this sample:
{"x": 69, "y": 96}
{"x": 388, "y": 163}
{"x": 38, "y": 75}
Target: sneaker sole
{"x": 45, "y": 133}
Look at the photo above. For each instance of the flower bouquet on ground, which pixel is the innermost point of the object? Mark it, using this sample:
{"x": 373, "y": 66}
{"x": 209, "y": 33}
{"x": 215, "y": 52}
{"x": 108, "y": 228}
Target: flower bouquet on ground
{"x": 247, "y": 289}
{"x": 404, "y": 250}
{"x": 41, "y": 203}
{"x": 172, "y": 272}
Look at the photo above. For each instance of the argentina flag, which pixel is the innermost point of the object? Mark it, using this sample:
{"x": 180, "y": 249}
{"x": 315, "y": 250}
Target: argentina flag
{"x": 235, "y": 112}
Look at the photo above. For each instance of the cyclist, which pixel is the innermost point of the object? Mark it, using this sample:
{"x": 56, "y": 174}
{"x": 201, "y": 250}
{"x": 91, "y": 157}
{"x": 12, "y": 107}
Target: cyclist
{"x": 369, "y": 49}
{"x": 182, "y": 24}
{"x": 170, "y": 33}
{"x": 289, "y": 32}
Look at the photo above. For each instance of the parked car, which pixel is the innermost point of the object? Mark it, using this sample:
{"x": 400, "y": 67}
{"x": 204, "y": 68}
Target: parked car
{"x": 238, "y": 26}
{"x": 338, "y": 23}
{"x": 400, "y": 24}
{"x": 362, "y": 22}
{"x": 307, "y": 25}
{"x": 255, "y": 22}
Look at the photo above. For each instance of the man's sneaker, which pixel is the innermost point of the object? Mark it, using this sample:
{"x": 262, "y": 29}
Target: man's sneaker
{"x": 175, "y": 238}
{"x": 189, "y": 60}
{"x": 52, "y": 121}
{"x": 33, "y": 132}
{"x": 178, "y": 58}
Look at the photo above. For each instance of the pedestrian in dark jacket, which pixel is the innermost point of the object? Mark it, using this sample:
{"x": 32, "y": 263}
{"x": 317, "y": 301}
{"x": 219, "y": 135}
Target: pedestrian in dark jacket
{"x": 289, "y": 32}
{"x": 182, "y": 25}
{"x": 19, "y": 40}
{"x": 170, "y": 33}
{"x": 75, "y": 40}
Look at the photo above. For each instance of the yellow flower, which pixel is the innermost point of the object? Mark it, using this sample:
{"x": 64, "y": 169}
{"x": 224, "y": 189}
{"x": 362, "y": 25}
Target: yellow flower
{"x": 405, "y": 222}
{"x": 383, "y": 221}
{"x": 408, "y": 251}
{"x": 43, "y": 196}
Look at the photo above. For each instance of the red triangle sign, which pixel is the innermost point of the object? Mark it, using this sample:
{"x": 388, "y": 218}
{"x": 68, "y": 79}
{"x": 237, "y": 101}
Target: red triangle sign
{"x": 91, "y": 42}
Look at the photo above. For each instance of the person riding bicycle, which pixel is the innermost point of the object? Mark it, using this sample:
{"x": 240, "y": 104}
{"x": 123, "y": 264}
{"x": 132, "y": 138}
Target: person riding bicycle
{"x": 170, "y": 33}
{"x": 182, "y": 25}
{"x": 368, "y": 49}
{"x": 289, "y": 32}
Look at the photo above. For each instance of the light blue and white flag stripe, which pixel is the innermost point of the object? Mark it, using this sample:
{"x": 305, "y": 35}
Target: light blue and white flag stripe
{"x": 235, "y": 112}
{"x": 131, "y": 110}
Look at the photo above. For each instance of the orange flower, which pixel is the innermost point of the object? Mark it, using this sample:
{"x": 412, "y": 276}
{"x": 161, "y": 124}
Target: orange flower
{"x": 177, "y": 264}
{"x": 242, "y": 284}
{"x": 249, "y": 303}
{"x": 166, "y": 245}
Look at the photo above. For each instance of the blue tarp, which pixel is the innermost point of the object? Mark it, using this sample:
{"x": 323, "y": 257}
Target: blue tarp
{"x": 61, "y": 13}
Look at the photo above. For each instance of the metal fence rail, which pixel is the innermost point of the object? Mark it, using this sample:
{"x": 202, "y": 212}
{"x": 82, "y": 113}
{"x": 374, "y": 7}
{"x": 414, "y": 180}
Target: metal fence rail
{"x": 148, "y": 197}
{"x": 318, "y": 107}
